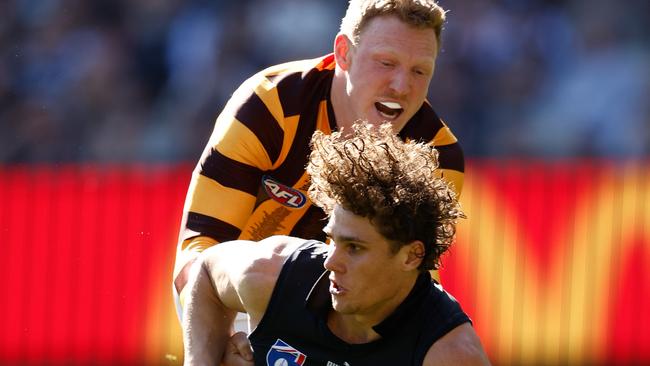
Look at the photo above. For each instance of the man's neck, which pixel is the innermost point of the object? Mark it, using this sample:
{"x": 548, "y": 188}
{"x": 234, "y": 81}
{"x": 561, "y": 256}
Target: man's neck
{"x": 350, "y": 328}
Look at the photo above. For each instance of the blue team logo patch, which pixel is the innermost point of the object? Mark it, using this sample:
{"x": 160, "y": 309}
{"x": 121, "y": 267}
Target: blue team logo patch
{"x": 282, "y": 193}
{"x": 282, "y": 354}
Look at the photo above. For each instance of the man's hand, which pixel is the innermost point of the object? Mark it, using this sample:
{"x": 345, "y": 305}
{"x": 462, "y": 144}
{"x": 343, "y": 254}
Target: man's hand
{"x": 238, "y": 351}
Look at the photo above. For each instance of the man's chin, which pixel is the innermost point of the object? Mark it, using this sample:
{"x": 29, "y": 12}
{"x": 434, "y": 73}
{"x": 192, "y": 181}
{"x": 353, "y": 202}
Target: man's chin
{"x": 342, "y": 308}
{"x": 337, "y": 305}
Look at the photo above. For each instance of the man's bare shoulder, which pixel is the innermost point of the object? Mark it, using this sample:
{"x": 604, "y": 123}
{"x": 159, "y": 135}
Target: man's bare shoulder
{"x": 255, "y": 278}
{"x": 461, "y": 346}
{"x": 279, "y": 247}
{"x": 239, "y": 257}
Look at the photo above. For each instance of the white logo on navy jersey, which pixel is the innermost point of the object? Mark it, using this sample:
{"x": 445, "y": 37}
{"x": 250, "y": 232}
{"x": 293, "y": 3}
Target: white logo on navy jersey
{"x": 282, "y": 354}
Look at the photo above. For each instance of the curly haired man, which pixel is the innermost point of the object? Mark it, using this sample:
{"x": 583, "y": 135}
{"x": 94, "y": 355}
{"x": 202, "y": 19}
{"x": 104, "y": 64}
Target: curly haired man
{"x": 367, "y": 298}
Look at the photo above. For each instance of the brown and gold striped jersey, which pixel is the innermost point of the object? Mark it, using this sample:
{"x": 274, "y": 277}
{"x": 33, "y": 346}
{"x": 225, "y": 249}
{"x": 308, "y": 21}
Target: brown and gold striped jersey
{"x": 250, "y": 182}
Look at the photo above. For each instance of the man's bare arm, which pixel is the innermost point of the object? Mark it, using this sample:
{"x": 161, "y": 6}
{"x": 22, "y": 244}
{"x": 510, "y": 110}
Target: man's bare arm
{"x": 207, "y": 321}
{"x": 231, "y": 277}
{"x": 461, "y": 346}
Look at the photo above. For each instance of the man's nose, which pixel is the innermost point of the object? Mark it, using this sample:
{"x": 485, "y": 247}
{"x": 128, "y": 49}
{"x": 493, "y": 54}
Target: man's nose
{"x": 400, "y": 83}
{"x": 334, "y": 262}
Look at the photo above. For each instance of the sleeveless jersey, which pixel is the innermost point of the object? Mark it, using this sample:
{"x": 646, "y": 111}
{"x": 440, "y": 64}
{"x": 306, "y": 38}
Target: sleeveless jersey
{"x": 293, "y": 330}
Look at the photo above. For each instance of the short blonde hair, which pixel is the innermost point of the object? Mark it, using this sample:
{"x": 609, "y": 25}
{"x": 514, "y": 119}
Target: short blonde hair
{"x": 416, "y": 13}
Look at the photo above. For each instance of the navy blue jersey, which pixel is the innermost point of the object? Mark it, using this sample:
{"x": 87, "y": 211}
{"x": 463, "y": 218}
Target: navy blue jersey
{"x": 293, "y": 330}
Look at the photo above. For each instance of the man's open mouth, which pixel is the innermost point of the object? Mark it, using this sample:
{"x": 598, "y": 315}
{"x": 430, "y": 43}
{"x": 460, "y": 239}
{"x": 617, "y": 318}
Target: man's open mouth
{"x": 389, "y": 110}
{"x": 336, "y": 289}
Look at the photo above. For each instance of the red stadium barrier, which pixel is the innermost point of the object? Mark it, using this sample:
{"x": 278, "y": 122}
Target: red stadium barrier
{"x": 89, "y": 252}
{"x": 552, "y": 263}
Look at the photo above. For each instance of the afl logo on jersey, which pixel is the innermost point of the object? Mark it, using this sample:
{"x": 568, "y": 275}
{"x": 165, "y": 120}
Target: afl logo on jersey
{"x": 282, "y": 354}
{"x": 283, "y": 194}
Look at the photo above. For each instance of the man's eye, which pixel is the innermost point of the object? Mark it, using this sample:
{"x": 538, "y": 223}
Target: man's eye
{"x": 353, "y": 248}
{"x": 421, "y": 72}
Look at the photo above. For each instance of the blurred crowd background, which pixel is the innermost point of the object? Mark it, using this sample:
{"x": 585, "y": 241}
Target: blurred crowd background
{"x": 123, "y": 81}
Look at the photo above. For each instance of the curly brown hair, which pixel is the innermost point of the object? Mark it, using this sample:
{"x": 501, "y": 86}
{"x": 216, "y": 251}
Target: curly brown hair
{"x": 417, "y": 13}
{"x": 373, "y": 173}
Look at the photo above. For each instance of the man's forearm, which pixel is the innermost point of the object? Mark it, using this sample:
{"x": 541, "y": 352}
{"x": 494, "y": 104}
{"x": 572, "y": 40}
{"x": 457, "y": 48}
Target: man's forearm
{"x": 207, "y": 323}
{"x": 187, "y": 253}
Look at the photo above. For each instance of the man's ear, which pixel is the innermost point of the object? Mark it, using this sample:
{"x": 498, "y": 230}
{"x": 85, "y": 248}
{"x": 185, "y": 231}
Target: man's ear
{"x": 342, "y": 51}
{"x": 415, "y": 254}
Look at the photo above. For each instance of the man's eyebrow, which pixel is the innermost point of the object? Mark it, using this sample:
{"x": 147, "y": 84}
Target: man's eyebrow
{"x": 348, "y": 238}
